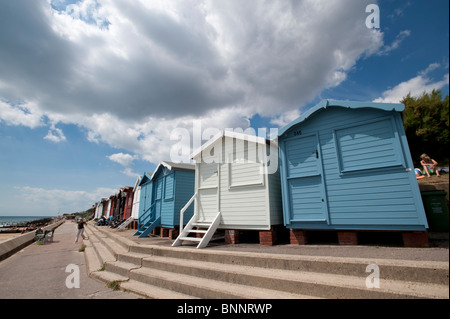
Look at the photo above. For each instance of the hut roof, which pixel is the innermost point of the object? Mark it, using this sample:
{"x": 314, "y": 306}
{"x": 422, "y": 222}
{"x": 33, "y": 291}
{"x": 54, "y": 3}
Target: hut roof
{"x": 345, "y": 104}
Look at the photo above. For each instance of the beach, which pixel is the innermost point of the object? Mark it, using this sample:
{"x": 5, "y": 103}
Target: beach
{"x": 23, "y": 224}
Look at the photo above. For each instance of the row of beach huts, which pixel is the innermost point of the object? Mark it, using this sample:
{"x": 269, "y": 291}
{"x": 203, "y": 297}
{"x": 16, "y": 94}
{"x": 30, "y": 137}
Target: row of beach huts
{"x": 341, "y": 166}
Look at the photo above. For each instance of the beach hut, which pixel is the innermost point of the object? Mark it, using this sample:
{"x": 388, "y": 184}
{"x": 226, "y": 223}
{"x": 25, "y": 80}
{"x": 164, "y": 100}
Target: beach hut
{"x": 346, "y": 166}
{"x": 163, "y": 195}
{"x": 114, "y": 209}
{"x": 127, "y": 204}
{"x": 98, "y": 209}
{"x": 106, "y": 207}
{"x": 136, "y": 200}
{"x": 145, "y": 202}
{"x": 237, "y": 188}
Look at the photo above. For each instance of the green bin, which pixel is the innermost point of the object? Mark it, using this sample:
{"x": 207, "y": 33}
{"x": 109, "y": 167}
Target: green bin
{"x": 436, "y": 210}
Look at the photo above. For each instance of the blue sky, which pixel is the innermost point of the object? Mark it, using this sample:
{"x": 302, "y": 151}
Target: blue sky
{"x": 91, "y": 91}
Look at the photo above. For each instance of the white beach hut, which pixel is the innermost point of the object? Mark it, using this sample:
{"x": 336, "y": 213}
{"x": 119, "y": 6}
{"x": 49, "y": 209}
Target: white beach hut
{"x": 237, "y": 187}
{"x": 136, "y": 199}
{"x": 98, "y": 209}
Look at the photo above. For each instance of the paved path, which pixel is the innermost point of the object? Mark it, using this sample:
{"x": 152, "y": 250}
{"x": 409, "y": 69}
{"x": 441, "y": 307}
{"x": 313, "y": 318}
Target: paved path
{"x": 39, "y": 271}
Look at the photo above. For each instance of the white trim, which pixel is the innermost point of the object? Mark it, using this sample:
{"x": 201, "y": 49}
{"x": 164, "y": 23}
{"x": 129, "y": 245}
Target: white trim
{"x": 136, "y": 185}
{"x": 224, "y": 133}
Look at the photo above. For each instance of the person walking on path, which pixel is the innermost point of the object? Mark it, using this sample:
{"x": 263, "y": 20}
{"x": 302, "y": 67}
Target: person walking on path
{"x": 80, "y": 231}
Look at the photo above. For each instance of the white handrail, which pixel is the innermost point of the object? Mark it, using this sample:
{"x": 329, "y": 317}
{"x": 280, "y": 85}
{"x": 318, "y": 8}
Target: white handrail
{"x": 184, "y": 209}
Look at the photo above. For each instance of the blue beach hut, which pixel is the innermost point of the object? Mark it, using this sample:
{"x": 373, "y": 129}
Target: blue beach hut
{"x": 145, "y": 202}
{"x": 347, "y": 166}
{"x": 163, "y": 195}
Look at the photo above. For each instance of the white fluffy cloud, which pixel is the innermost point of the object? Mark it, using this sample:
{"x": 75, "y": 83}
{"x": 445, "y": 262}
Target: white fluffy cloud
{"x": 132, "y": 72}
{"x": 28, "y": 115}
{"x": 51, "y": 201}
{"x": 396, "y": 43}
{"x": 123, "y": 159}
{"x": 414, "y": 86}
{"x": 55, "y": 135}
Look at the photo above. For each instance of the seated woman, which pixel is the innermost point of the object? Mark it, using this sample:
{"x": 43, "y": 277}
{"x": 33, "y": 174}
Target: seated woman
{"x": 429, "y": 164}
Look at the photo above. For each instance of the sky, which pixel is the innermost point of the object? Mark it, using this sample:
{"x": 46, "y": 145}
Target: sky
{"x": 94, "y": 93}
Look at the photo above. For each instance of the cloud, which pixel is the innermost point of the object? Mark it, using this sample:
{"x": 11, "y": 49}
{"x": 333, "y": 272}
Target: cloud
{"x": 128, "y": 171}
{"x": 42, "y": 201}
{"x": 25, "y": 114}
{"x": 396, "y": 43}
{"x": 414, "y": 86}
{"x": 123, "y": 159}
{"x": 55, "y": 135}
{"x": 132, "y": 72}
{"x": 285, "y": 118}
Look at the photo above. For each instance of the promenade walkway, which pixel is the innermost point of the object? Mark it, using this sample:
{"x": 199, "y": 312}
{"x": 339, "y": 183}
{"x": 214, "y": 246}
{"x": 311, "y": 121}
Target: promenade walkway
{"x": 39, "y": 271}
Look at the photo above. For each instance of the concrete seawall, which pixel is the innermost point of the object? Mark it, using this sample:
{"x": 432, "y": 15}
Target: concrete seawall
{"x": 13, "y": 245}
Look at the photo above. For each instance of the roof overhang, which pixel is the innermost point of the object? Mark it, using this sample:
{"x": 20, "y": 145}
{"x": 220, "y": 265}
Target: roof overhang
{"x": 173, "y": 166}
{"x": 225, "y": 133}
{"x": 398, "y": 107}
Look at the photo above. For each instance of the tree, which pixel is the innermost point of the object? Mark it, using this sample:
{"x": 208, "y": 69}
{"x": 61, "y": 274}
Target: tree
{"x": 426, "y": 121}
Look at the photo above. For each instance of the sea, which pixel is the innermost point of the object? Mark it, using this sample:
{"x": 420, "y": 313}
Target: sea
{"x": 14, "y": 220}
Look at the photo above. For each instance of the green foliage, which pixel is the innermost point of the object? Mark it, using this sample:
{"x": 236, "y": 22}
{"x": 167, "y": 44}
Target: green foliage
{"x": 114, "y": 285}
{"x": 426, "y": 121}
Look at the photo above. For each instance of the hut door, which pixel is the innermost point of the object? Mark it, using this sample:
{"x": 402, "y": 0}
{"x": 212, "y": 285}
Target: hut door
{"x": 158, "y": 187}
{"x": 307, "y": 201}
{"x": 208, "y": 191}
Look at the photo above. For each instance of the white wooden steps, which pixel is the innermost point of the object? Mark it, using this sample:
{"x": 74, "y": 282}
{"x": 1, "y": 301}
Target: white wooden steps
{"x": 126, "y": 223}
{"x": 205, "y": 228}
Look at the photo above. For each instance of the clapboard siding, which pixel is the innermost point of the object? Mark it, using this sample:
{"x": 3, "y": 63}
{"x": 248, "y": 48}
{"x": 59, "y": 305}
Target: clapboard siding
{"x": 164, "y": 189}
{"x": 274, "y": 190}
{"x": 242, "y": 205}
{"x": 171, "y": 186}
{"x": 236, "y": 184}
{"x": 366, "y": 170}
{"x": 185, "y": 185}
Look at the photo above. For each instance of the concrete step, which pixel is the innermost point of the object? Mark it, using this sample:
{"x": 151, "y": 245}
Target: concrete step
{"x": 132, "y": 257}
{"x": 415, "y": 271}
{"x": 109, "y": 242}
{"x": 152, "y": 292}
{"x": 296, "y": 282}
{"x": 93, "y": 263}
{"x": 121, "y": 240}
{"x": 206, "y": 288}
{"x": 120, "y": 267}
{"x": 107, "y": 276}
{"x": 176, "y": 272}
{"x": 102, "y": 252}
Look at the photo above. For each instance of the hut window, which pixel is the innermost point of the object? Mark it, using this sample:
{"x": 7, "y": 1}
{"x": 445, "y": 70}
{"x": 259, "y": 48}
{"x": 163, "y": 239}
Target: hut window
{"x": 168, "y": 191}
{"x": 367, "y": 145}
{"x": 243, "y": 172}
{"x": 159, "y": 184}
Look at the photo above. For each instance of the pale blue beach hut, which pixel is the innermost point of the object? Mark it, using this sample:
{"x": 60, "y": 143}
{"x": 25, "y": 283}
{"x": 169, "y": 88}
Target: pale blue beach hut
{"x": 163, "y": 195}
{"x": 347, "y": 166}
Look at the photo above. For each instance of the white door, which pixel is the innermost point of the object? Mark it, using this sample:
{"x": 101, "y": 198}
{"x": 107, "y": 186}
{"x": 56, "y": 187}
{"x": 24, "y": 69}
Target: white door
{"x": 208, "y": 191}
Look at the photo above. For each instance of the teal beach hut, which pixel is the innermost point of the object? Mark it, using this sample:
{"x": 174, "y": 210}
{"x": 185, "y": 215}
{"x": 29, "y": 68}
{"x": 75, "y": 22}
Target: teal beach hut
{"x": 347, "y": 166}
{"x": 145, "y": 219}
{"x": 163, "y": 195}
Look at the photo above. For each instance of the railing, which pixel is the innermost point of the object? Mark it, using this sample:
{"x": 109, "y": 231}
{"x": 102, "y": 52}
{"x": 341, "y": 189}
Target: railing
{"x": 146, "y": 216}
{"x": 184, "y": 209}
